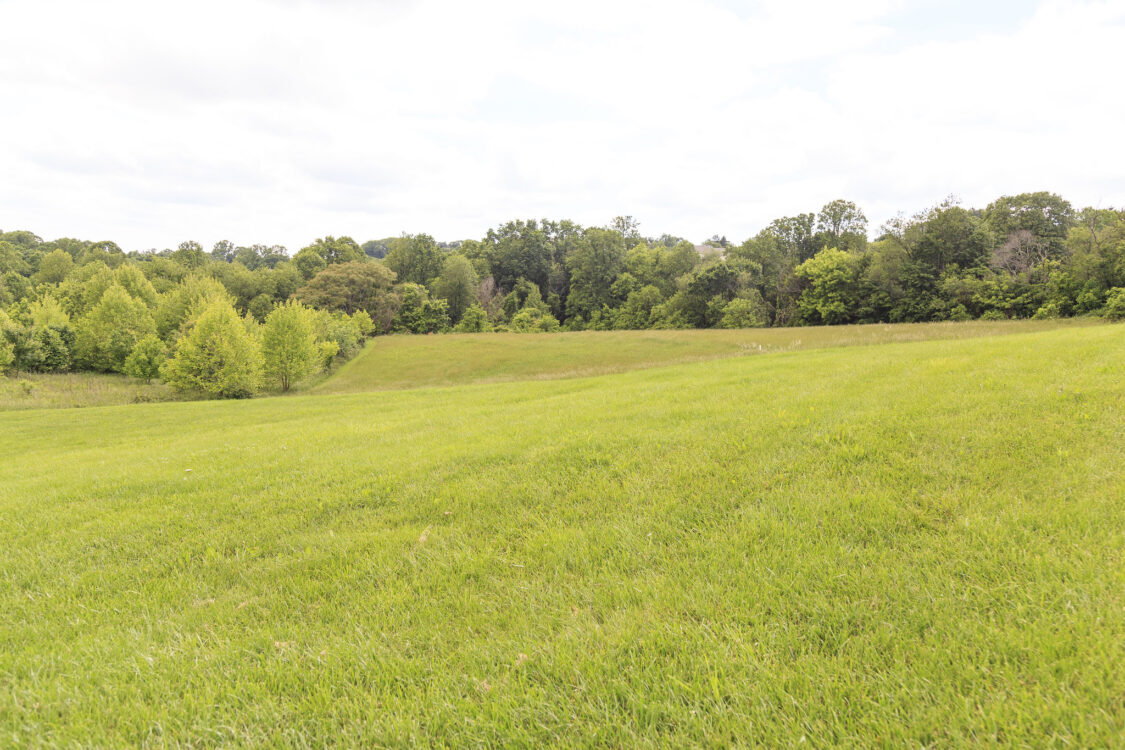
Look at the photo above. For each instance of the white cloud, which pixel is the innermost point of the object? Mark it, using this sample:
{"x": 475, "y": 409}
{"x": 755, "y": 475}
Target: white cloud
{"x": 280, "y": 121}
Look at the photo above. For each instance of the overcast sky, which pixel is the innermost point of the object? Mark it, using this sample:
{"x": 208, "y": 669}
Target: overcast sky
{"x": 278, "y": 121}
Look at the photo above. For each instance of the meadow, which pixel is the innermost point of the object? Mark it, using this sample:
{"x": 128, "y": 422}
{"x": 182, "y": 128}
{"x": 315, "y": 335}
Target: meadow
{"x": 907, "y": 543}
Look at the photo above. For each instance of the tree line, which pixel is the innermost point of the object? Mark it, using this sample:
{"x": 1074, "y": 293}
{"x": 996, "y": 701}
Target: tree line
{"x": 238, "y": 319}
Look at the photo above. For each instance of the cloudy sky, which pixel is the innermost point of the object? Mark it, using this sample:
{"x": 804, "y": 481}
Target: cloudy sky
{"x": 278, "y": 121}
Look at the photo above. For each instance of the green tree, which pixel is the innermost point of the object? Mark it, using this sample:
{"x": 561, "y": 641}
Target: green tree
{"x": 594, "y": 266}
{"x": 457, "y": 285}
{"x": 745, "y": 312}
{"x": 831, "y": 295}
{"x": 108, "y": 333}
{"x": 54, "y": 267}
{"x": 348, "y": 287}
{"x": 416, "y": 259}
{"x": 842, "y": 225}
{"x": 1115, "y": 304}
{"x": 175, "y": 307}
{"x": 289, "y": 349}
{"x": 146, "y": 359}
{"x": 419, "y": 313}
{"x": 217, "y": 355}
{"x": 474, "y": 320}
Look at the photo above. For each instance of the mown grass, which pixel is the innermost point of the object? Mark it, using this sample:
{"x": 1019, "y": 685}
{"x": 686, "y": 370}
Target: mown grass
{"x": 77, "y": 389}
{"x": 394, "y": 362}
{"x": 912, "y": 544}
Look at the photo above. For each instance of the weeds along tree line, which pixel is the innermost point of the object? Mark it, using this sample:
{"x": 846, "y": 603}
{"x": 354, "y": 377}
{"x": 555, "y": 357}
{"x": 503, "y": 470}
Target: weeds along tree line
{"x": 238, "y": 319}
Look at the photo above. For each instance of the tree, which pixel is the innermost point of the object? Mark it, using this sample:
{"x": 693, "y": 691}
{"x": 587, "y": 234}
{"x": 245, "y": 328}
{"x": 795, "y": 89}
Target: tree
{"x": 474, "y": 320}
{"x": 217, "y": 355}
{"x": 108, "y": 333}
{"x": 842, "y": 225}
{"x": 189, "y": 255}
{"x": 7, "y": 356}
{"x": 457, "y": 285}
{"x": 358, "y": 285}
{"x": 1115, "y": 304}
{"x": 831, "y": 295}
{"x": 54, "y": 267}
{"x": 175, "y": 307}
{"x": 745, "y": 312}
{"x": 1045, "y": 215}
{"x": 416, "y": 259}
{"x": 146, "y": 359}
{"x": 594, "y": 265}
{"x": 419, "y": 313}
{"x": 289, "y": 349}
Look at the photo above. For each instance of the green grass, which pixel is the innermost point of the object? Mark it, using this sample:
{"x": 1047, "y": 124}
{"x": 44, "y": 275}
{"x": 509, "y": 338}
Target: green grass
{"x": 395, "y": 362}
{"x": 902, "y": 545}
{"x": 77, "y": 389}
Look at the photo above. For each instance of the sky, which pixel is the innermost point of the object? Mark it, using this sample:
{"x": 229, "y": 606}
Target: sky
{"x": 280, "y": 121}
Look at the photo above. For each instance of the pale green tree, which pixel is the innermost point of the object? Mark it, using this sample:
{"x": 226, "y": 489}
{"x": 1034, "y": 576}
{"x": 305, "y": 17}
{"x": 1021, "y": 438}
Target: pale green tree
{"x": 216, "y": 354}
{"x": 108, "y": 333}
{"x": 289, "y": 350}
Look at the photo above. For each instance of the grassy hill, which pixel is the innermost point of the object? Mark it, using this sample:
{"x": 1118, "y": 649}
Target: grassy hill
{"x": 395, "y": 362}
{"x": 906, "y": 544}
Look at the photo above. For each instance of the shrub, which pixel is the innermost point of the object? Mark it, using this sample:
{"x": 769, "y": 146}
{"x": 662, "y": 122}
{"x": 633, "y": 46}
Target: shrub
{"x": 1115, "y": 304}
{"x": 146, "y": 359}
{"x": 217, "y": 355}
{"x": 474, "y": 320}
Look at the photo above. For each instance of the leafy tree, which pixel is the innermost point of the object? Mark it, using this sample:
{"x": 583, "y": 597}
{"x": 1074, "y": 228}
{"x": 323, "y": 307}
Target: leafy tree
{"x": 636, "y": 313}
{"x": 348, "y": 287}
{"x": 175, "y": 308}
{"x": 146, "y": 359}
{"x": 46, "y": 311}
{"x": 594, "y": 265}
{"x": 831, "y": 295}
{"x": 217, "y": 355}
{"x": 289, "y": 347}
{"x": 416, "y": 259}
{"x": 54, "y": 267}
{"x": 474, "y": 320}
{"x": 56, "y": 343}
{"x": 190, "y": 255}
{"x": 842, "y": 225}
{"x": 108, "y": 333}
{"x": 457, "y": 285}
{"x": 7, "y": 356}
{"x": 419, "y": 313}
{"x": 745, "y": 312}
{"x": 1045, "y": 215}
{"x": 534, "y": 320}
{"x": 1115, "y": 304}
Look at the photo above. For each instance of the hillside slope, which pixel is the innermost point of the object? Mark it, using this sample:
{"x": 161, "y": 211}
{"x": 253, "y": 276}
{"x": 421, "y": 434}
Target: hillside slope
{"x": 396, "y": 362}
{"x": 904, "y": 544}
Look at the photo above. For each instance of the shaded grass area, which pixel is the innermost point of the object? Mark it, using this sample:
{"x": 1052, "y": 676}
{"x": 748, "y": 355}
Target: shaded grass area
{"x": 901, "y": 545}
{"x": 396, "y": 362}
{"x": 78, "y": 389}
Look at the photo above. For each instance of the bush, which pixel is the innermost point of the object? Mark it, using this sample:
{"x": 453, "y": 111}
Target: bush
{"x": 1115, "y": 304}
{"x": 474, "y": 320}
{"x": 534, "y": 320}
{"x": 7, "y": 356}
{"x": 217, "y": 355}
{"x": 146, "y": 359}
{"x": 1048, "y": 311}
{"x": 993, "y": 315}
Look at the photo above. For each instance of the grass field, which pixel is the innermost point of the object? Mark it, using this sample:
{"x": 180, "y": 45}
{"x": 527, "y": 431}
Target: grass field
{"x": 395, "y": 362}
{"x": 905, "y": 544}
{"x": 77, "y": 389}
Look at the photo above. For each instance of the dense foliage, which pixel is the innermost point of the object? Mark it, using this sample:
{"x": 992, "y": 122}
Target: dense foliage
{"x": 72, "y": 304}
